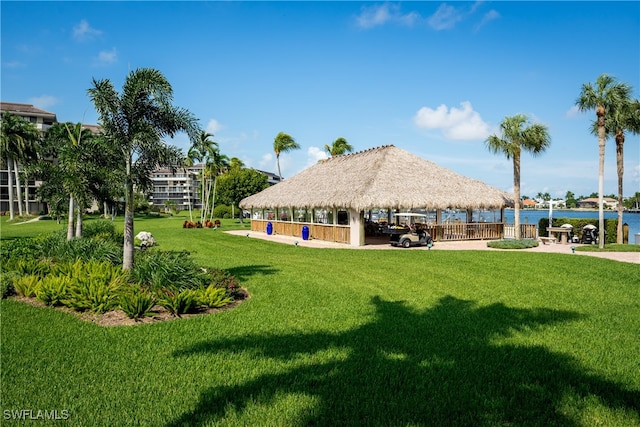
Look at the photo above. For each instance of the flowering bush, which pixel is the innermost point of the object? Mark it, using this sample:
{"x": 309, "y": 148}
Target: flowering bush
{"x": 146, "y": 239}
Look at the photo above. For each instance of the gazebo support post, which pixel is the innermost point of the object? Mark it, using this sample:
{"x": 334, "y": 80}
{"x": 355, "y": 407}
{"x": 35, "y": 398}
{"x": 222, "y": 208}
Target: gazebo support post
{"x": 356, "y": 227}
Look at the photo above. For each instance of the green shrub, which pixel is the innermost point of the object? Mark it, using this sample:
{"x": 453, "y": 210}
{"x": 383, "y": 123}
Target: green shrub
{"x": 24, "y": 267}
{"x": 6, "y": 283}
{"x": 610, "y": 226}
{"x": 222, "y": 211}
{"x": 225, "y": 280}
{"x": 26, "y": 286}
{"x": 137, "y": 302}
{"x": 21, "y": 248}
{"x": 213, "y": 296}
{"x": 173, "y": 270}
{"x": 101, "y": 228}
{"x": 178, "y": 303}
{"x": 53, "y": 290}
{"x": 512, "y": 244}
{"x": 93, "y": 294}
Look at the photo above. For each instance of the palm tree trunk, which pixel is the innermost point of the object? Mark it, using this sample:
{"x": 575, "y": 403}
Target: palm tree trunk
{"x": 516, "y": 195}
{"x": 601, "y": 146}
{"x": 18, "y": 187}
{"x": 104, "y": 209}
{"x": 10, "y": 182}
{"x": 127, "y": 253}
{"x": 620, "y": 161}
{"x": 278, "y": 162}
{"x": 213, "y": 200}
{"x": 79, "y": 222}
{"x": 70, "y": 226}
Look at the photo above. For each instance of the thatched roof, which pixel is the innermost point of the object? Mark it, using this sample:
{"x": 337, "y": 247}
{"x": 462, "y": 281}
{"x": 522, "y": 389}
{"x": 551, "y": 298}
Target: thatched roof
{"x": 383, "y": 177}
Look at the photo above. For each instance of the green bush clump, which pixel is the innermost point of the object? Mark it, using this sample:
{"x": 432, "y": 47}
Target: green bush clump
{"x": 213, "y": 297}
{"x": 513, "y": 244}
{"x": 53, "y": 290}
{"x": 21, "y": 248}
{"x": 178, "y": 303}
{"x": 137, "y": 302}
{"x": 173, "y": 270}
{"x": 222, "y": 211}
{"x": 94, "y": 295}
{"x": 26, "y": 286}
{"x": 225, "y": 280}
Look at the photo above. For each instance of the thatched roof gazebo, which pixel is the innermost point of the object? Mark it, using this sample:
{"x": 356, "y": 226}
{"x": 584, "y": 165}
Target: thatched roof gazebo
{"x": 384, "y": 177}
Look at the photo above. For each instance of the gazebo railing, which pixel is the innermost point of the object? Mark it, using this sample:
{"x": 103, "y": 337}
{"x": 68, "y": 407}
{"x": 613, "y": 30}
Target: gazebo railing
{"x": 327, "y": 232}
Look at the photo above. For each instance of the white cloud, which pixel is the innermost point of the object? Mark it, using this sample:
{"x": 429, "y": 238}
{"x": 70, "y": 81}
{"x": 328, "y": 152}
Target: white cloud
{"x": 492, "y": 15}
{"x": 106, "y": 57}
{"x": 13, "y": 64}
{"x": 454, "y": 123}
{"x": 267, "y": 161}
{"x": 315, "y": 154}
{"x": 573, "y": 112}
{"x": 213, "y": 126}
{"x": 636, "y": 174}
{"x": 44, "y": 101}
{"x": 376, "y": 15}
{"x": 84, "y": 32}
{"x": 445, "y": 17}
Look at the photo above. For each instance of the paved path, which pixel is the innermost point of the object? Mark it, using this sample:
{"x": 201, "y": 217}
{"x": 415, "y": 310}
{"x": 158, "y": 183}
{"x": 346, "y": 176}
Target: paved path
{"x": 470, "y": 245}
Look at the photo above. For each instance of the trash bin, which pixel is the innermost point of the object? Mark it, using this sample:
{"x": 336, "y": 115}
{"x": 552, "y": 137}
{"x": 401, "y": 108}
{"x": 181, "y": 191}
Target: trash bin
{"x": 305, "y": 233}
{"x": 637, "y": 238}
{"x": 269, "y": 228}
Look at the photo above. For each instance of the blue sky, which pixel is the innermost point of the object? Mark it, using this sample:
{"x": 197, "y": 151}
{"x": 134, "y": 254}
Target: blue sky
{"x": 433, "y": 78}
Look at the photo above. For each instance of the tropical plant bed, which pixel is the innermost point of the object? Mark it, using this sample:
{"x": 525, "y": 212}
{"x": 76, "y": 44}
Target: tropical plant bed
{"x": 512, "y": 244}
{"x": 120, "y": 318}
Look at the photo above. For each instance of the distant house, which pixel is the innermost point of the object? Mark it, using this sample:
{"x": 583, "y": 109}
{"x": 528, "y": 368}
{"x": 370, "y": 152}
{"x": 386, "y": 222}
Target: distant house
{"x": 529, "y": 204}
{"x": 592, "y": 203}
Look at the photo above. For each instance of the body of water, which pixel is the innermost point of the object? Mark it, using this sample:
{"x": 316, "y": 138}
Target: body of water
{"x": 533, "y": 217}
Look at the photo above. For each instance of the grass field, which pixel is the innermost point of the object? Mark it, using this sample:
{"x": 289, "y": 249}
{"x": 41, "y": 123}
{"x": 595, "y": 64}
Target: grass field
{"x": 345, "y": 337}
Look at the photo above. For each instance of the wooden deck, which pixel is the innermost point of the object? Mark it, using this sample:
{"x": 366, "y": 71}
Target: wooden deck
{"x": 440, "y": 232}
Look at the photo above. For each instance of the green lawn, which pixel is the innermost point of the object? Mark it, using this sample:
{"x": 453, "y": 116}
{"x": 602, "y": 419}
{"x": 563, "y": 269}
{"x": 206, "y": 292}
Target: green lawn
{"x": 346, "y": 337}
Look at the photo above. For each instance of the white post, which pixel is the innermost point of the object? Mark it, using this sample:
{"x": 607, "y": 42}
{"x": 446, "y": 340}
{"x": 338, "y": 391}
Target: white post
{"x": 356, "y": 227}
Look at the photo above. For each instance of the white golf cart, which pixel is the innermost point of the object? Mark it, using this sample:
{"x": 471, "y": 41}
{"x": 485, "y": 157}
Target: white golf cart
{"x": 411, "y": 232}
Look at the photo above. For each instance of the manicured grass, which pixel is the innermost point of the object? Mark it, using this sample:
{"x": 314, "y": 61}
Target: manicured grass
{"x": 612, "y": 247}
{"x": 348, "y": 337}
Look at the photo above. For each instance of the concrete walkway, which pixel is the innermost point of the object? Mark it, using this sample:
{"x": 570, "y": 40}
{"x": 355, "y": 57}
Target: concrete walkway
{"x": 469, "y": 245}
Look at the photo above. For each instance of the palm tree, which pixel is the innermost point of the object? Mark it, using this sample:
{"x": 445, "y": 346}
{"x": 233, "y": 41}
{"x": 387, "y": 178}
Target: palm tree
{"x": 339, "y": 147}
{"x": 282, "y": 144}
{"x": 18, "y": 144}
{"x": 136, "y": 121}
{"x": 518, "y": 135}
{"x": 235, "y": 164}
{"x": 626, "y": 118}
{"x": 605, "y": 97}
{"x": 204, "y": 149}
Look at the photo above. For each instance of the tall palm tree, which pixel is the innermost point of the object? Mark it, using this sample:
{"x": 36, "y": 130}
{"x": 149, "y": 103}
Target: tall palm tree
{"x": 218, "y": 165}
{"x": 281, "y": 144}
{"x": 136, "y": 120}
{"x": 624, "y": 119}
{"x": 18, "y": 143}
{"x": 205, "y": 149}
{"x": 339, "y": 147}
{"x": 518, "y": 135}
{"x": 605, "y": 97}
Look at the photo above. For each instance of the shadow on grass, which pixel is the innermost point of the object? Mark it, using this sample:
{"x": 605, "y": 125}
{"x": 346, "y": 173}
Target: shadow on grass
{"x": 441, "y": 366}
{"x": 246, "y": 271}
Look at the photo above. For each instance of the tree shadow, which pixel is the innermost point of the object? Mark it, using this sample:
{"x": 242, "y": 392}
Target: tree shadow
{"x": 442, "y": 366}
{"x": 245, "y": 271}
